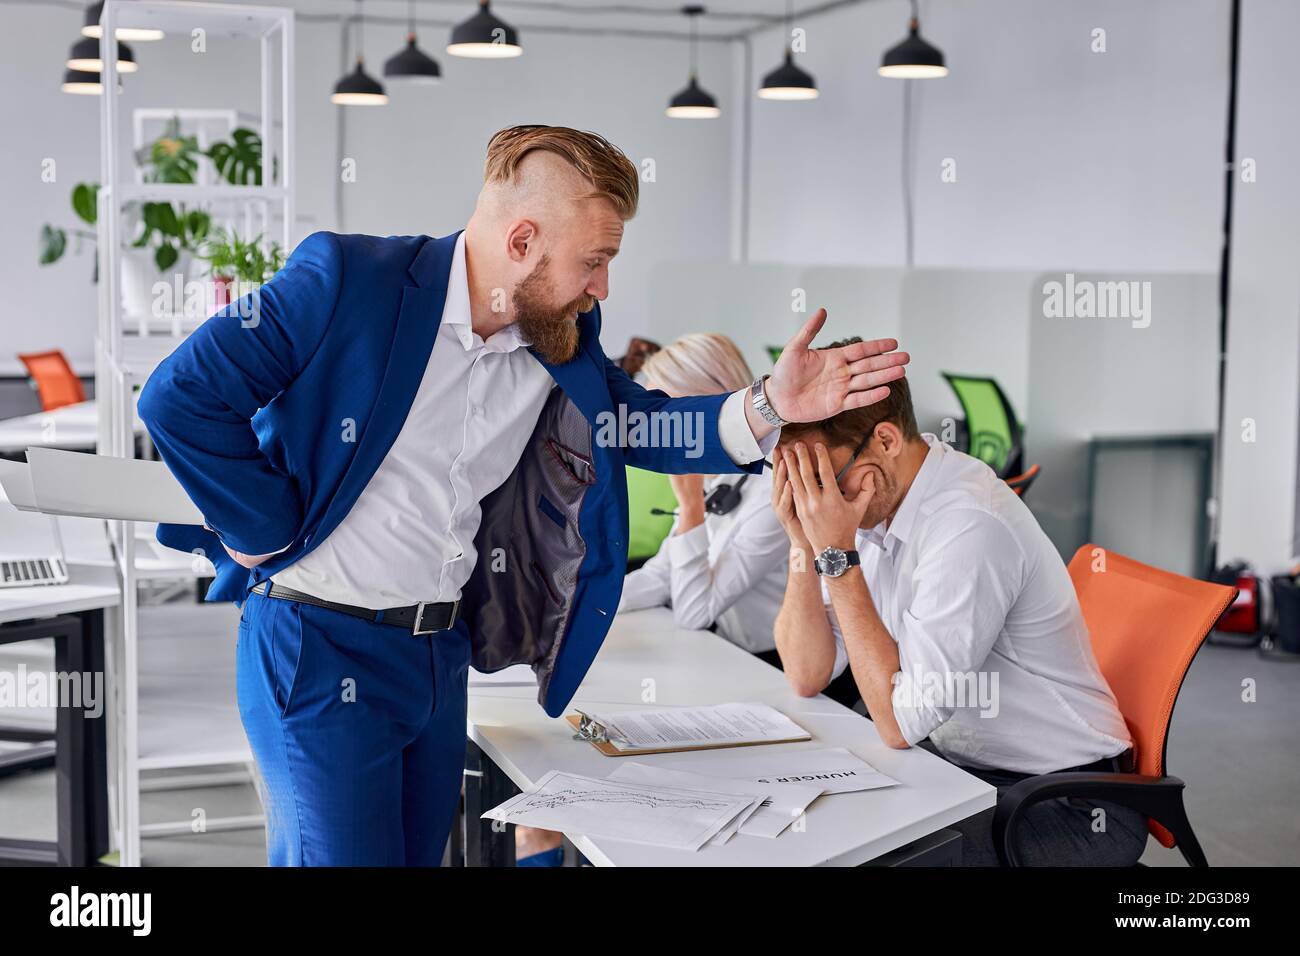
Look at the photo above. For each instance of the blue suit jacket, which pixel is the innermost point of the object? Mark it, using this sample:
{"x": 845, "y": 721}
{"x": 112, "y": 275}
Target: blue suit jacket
{"x": 250, "y": 414}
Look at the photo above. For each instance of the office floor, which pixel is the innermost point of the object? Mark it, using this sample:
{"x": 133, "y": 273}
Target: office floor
{"x": 1240, "y": 760}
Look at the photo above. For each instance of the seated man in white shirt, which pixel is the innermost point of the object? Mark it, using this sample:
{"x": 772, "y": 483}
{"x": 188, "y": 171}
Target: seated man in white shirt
{"x": 961, "y": 624}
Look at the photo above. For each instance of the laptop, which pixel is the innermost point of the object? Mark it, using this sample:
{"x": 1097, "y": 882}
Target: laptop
{"x": 31, "y": 549}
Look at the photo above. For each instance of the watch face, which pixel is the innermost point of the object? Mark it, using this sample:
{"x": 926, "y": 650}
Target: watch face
{"x": 834, "y": 562}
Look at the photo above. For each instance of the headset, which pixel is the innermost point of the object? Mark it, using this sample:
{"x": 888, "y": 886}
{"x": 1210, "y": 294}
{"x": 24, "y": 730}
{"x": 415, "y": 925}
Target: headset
{"x": 722, "y": 500}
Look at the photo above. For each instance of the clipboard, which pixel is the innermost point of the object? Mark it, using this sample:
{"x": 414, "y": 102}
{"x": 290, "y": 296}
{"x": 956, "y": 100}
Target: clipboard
{"x": 593, "y": 731}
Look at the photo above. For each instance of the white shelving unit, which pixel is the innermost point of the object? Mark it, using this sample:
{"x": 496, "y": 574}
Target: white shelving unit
{"x": 125, "y": 358}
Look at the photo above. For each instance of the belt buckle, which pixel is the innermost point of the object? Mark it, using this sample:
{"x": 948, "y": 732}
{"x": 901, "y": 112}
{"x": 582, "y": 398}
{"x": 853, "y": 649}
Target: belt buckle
{"x": 419, "y": 619}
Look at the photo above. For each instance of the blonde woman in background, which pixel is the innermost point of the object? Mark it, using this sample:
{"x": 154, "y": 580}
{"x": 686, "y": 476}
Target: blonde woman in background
{"x": 723, "y": 569}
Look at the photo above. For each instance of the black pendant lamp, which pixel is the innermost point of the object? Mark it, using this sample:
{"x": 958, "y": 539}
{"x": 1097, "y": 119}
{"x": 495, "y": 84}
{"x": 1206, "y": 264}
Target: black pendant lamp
{"x": 693, "y": 102}
{"x": 90, "y": 27}
{"x": 484, "y": 36}
{"x": 412, "y": 64}
{"x": 914, "y": 58}
{"x": 84, "y": 57}
{"x": 787, "y": 81}
{"x": 359, "y": 88}
{"x": 84, "y": 83}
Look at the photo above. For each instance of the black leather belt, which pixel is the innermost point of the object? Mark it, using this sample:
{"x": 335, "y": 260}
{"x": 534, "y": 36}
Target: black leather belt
{"x": 423, "y": 618}
{"x": 1120, "y": 763}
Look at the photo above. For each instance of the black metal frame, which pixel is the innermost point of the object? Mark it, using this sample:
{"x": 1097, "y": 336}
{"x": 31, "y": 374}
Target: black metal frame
{"x": 1201, "y": 443}
{"x": 1160, "y": 798}
{"x": 81, "y": 750}
{"x": 486, "y": 785}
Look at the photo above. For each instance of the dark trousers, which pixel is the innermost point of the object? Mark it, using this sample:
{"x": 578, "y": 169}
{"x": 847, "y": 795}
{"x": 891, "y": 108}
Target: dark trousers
{"x": 1060, "y": 832}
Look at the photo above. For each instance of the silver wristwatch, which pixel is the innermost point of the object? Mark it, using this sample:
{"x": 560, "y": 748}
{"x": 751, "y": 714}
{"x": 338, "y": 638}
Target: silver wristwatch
{"x": 758, "y": 398}
{"x": 833, "y": 562}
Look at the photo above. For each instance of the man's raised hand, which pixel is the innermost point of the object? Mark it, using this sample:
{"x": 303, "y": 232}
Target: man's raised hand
{"x": 809, "y": 385}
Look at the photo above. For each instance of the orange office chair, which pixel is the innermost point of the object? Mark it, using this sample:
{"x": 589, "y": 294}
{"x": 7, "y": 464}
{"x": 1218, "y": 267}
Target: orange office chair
{"x": 1020, "y": 483}
{"x": 56, "y": 383}
{"x": 1146, "y": 627}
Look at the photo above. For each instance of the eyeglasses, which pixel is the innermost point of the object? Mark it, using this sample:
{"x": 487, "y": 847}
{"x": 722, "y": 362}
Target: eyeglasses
{"x": 839, "y": 475}
{"x": 852, "y": 458}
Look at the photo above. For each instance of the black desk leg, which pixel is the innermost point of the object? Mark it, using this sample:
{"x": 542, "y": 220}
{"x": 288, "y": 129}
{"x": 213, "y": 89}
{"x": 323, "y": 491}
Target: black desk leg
{"x": 81, "y": 750}
{"x": 82, "y": 777}
{"x": 487, "y": 842}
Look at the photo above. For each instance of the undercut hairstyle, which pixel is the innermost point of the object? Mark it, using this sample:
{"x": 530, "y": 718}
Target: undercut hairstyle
{"x": 848, "y": 428}
{"x": 611, "y": 174}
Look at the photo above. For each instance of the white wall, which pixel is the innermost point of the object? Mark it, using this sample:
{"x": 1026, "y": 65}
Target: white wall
{"x": 1065, "y": 158}
{"x": 419, "y": 160}
{"x": 1069, "y": 160}
{"x": 1263, "y": 385}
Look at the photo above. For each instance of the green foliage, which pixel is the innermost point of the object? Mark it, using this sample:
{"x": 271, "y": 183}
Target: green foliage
{"x": 232, "y": 257}
{"x": 239, "y": 161}
{"x": 171, "y": 158}
{"x": 168, "y": 228}
{"x": 85, "y": 198}
{"x": 53, "y": 243}
{"x": 169, "y": 231}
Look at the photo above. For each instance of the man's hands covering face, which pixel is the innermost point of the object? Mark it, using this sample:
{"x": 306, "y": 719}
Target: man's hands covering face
{"x": 809, "y": 503}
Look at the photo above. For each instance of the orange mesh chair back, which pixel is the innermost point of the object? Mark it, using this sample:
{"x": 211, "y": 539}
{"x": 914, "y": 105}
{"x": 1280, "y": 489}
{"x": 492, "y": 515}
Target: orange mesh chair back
{"x": 1146, "y": 626}
{"x": 56, "y": 383}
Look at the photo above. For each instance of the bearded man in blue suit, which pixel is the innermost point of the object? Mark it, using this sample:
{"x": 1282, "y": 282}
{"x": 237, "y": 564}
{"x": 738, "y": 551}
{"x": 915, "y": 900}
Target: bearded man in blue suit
{"x": 402, "y": 451}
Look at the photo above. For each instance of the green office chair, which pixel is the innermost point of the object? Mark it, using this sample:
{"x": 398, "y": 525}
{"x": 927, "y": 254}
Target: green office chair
{"x": 647, "y": 490}
{"x": 990, "y": 432}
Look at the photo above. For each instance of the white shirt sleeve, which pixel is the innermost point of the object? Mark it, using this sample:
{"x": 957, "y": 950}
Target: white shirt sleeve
{"x": 703, "y": 591}
{"x": 737, "y": 438}
{"x": 648, "y": 585}
{"x": 962, "y": 591}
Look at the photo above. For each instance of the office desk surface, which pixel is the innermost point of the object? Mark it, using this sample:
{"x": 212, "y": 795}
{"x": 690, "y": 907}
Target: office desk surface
{"x": 645, "y": 652}
{"x": 72, "y": 426}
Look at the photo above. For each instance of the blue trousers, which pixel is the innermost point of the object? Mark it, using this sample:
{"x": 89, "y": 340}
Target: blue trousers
{"x": 358, "y": 730}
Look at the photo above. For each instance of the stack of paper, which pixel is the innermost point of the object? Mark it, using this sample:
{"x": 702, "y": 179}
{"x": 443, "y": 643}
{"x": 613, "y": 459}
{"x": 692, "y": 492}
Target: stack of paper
{"x": 684, "y": 819}
{"x": 721, "y": 725}
{"x": 780, "y": 803}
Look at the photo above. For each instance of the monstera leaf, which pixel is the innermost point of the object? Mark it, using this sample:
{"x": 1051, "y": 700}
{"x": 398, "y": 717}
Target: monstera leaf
{"x": 239, "y": 161}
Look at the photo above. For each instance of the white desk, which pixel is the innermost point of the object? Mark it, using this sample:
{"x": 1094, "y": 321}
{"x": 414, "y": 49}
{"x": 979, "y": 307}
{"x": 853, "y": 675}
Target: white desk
{"x": 72, "y": 426}
{"x": 698, "y": 667}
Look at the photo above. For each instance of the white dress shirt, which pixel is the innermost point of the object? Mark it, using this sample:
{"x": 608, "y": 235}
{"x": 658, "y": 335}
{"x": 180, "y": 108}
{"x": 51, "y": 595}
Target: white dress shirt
{"x": 730, "y": 570}
{"x": 967, "y": 584}
{"x": 409, "y": 536}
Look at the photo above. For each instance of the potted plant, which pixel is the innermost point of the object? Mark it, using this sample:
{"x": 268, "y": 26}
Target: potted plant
{"x": 170, "y": 231}
{"x": 242, "y": 263}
